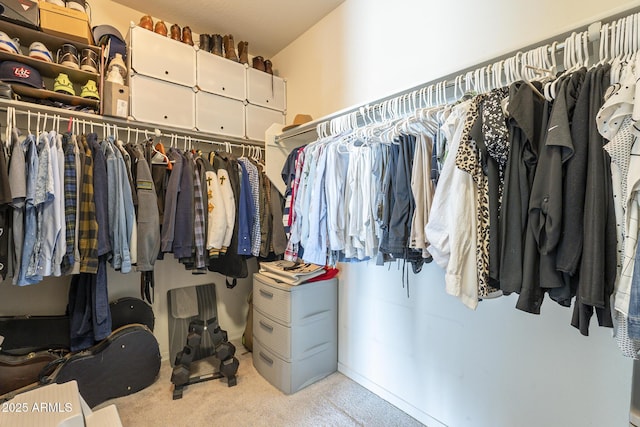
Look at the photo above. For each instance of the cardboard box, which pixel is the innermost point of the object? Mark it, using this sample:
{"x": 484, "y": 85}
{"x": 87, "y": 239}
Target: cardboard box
{"x": 115, "y": 100}
{"x": 64, "y": 22}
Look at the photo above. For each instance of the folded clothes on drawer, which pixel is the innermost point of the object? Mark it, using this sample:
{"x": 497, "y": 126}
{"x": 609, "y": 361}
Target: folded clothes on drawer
{"x": 289, "y": 272}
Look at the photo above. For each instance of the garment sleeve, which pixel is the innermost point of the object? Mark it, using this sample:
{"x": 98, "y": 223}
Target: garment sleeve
{"x": 545, "y": 207}
{"x": 217, "y": 218}
{"x": 229, "y": 205}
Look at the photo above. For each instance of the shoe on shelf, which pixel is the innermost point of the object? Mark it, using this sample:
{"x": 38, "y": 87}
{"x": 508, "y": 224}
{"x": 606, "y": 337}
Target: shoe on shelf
{"x": 68, "y": 56}
{"x": 229, "y": 48}
{"x": 268, "y": 66}
{"x": 187, "y": 37}
{"x": 89, "y": 61}
{"x": 8, "y": 44}
{"x": 175, "y": 32}
{"x": 62, "y": 84}
{"x": 161, "y": 28}
{"x": 146, "y": 22}
{"x": 258, "y": 63}
{"x": 216, "y": 44}
{"x": 205, "y": 42}
{"x": 243, "y": 52}
{"x": 90, "y": 91}
{"x": 39, "y": 51}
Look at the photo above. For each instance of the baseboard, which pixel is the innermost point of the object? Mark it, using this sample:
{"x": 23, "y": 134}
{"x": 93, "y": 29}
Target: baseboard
{"x": 395, "y": 400}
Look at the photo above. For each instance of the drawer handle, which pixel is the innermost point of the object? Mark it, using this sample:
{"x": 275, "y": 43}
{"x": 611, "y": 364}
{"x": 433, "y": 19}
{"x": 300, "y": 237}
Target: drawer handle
{"x": 267, "y": 327}
{"x": 266, "y": 359}
{"x": 221, "y": 127}
{"x": 223, "y": 88}
{"x": 266, "y": 294}
{"x": 166, "y": 117}
{"x": 166, "y": 73}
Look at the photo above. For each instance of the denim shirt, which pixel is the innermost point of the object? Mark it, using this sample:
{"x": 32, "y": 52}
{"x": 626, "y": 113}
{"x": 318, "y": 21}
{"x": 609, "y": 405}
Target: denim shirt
{"x": 120, "y": 207}
{"x": 30, "y": 215}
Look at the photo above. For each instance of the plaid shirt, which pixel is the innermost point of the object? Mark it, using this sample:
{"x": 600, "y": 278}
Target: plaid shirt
{"x": 254, "y": 182}
{"x": 70, "y": 201}
{"x": 198, "y": 224}
{"x": 88, "y": 230}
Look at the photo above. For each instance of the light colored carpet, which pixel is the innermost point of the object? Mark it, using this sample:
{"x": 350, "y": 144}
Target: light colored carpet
{"x": 334, "y": 401}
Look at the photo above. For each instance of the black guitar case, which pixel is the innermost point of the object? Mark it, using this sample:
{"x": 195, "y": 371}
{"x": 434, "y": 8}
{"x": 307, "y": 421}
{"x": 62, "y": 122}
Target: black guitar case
{"x": 23, "y": 335}
{"x": 129, "y": 310}
{"x": 124, "y": 363}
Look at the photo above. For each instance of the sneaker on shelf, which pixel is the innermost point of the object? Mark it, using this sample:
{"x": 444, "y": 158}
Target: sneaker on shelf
{"x": 89, "y": 61}
{"x": 114, "y": 76}
{"x": 90, "y": 90}
{"x": 62, "y": 84}
{"x": 8, "y": 44}
{"x": 68, "y": 56}
{"x": 117, "y": 63}
{"x": 39, "y": 51}
{"x": 79, "y": 5}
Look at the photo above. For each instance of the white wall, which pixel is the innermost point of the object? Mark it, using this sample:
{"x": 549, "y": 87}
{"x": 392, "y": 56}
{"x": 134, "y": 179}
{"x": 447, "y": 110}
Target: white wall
{"x": 427, "y": 354}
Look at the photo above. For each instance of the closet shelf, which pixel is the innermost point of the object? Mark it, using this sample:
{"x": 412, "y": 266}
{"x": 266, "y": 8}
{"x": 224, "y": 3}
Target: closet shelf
{"x": 54, "y": 96}
{"x": 121, "y": 123}
{"x": 50, "y": 69}
{"x": 28, "y": 36}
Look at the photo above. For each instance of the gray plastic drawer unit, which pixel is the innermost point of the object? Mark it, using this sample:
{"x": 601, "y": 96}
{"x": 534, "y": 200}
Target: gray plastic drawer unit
{"x": 295, "y": 331}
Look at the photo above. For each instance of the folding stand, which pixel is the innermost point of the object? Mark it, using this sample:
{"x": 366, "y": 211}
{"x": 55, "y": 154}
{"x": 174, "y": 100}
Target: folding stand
{"x": 223, "y": 355}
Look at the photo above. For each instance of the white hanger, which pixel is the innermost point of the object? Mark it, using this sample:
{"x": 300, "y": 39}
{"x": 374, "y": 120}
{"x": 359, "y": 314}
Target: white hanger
{"x": 7, "y": 135}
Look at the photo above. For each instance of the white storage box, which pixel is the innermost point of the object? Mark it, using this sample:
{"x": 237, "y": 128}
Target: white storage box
{"x": 161, "y": 57}
{"x": 218, "y": 75}
{"x": 217, "y": 114}
{"x": 157, "y": 101}
{"x": 260, "y": 119}
{"x": 266, "y": 90}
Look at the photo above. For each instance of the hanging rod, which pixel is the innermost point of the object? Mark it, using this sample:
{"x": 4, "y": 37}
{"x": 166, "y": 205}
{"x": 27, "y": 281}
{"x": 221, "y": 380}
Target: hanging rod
{"x": 139, "y": 131}
{"x": 23, "y": 108}
{"x": 299, "y": 133}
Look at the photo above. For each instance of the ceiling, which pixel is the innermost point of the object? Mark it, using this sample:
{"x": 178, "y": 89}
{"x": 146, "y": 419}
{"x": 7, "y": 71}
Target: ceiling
{"x": 268, "y": 26}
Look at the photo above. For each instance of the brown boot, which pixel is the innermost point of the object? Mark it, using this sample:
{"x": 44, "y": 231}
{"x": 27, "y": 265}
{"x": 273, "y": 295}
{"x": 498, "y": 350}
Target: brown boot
{"x": 161, "y": 28}
{"x": 230, "y": 48}
{"x": 243, "y": 52}
{"x": 175, "y": 32}
{"x": 268, "y": 66}
{"x": 258, "y": 63}
{"x": 216, "y": 44}
{"x": 186, "y": 35}
{"x": 146, "y": 22}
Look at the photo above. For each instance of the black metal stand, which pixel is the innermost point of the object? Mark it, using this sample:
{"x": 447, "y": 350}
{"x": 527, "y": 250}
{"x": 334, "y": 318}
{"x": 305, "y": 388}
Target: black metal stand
{"x": 223, "y": 355}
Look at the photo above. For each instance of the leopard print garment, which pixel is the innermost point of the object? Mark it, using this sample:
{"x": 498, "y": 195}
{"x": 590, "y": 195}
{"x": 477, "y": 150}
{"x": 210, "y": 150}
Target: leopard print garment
{"x": 468, "y": 160}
